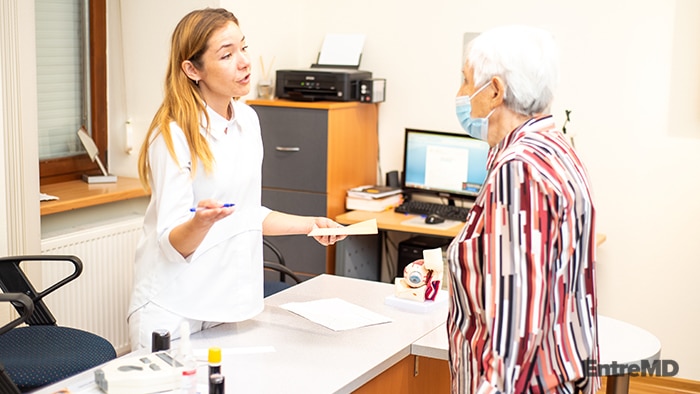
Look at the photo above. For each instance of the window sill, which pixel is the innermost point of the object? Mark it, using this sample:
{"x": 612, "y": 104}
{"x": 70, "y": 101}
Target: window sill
{"x": 78, "y": 194}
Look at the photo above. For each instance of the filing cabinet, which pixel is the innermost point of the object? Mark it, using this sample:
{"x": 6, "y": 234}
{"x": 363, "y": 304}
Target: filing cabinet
{"x": 314, "y": 152}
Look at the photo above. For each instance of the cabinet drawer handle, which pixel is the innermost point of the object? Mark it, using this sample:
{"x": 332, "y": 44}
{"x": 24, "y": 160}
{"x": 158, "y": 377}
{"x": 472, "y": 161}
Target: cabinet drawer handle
{"x": 287, "y": 149}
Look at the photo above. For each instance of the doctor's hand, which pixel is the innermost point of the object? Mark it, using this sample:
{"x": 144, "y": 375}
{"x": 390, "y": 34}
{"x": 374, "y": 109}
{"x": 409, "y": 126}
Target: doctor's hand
{"x": 207, "y": 212}
{"x": 326, "y": 240}
{"x": 186, "y": 237}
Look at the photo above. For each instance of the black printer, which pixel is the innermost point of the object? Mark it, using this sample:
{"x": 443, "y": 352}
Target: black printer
{"x": 316, "y": 84}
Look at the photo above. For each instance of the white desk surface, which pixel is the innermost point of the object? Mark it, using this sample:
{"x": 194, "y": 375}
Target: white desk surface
{"x": 625, "y": 343}
{"x": 279, "y": 351}
{"x": 618, "y": 342}
{"x": 307, "y": 357}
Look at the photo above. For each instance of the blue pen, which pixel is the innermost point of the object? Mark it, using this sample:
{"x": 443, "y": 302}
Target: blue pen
{"x": 227, "y": 205}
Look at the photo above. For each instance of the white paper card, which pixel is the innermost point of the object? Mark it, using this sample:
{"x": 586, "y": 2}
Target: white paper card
{"x": 361, "y": 228}
{"x": 46, "y": 197}
{"x": 341, "y": 50}
{"x": 336, "y": 314}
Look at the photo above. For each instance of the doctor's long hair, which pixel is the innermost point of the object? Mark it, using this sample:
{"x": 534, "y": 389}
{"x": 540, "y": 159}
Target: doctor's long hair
{"x": 183, "y": 102}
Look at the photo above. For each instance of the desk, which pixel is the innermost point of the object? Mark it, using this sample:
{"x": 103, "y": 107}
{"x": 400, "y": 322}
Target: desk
{"x": 359, "y": 257}
{"x": 624, "y": 343}
{"x": 392, "y": 221}
{"x": 618, "y": 342}
{"x": 313, "y": 359}
{"x": 307, "y": 357}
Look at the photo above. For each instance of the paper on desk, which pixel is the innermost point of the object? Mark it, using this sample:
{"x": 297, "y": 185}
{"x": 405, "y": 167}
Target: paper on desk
{"x": 46, "y": 197}
{"x": 361, "y": 228}
{"x": 336, "y": 314}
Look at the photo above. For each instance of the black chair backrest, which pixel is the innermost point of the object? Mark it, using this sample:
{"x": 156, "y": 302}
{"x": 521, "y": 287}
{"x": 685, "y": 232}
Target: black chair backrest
{"x": 13, "y": 280}
{"x": 278, "y": 255}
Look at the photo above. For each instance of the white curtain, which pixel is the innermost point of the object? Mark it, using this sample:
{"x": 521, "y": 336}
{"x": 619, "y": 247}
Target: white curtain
{"x": 20, "y": 223}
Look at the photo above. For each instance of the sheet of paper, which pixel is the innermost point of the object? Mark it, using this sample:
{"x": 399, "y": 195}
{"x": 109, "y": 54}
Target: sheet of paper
{"x": 361, "y": 228}
{"x": 336, "y": 314}
{"x": 46, "y": 197}
{"x": 341, "y": 49}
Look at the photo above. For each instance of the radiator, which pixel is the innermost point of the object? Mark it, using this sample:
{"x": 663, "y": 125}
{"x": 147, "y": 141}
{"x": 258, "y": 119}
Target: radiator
{"x": 98, "y": 299}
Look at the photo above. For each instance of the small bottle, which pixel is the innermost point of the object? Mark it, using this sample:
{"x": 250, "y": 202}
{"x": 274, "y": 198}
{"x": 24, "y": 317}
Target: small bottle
{"x": 189, "y": 363}
{"x": 214, "y": 360}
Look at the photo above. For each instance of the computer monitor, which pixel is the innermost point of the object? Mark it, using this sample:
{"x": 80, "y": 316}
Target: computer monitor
{"x": 445, "y": 164}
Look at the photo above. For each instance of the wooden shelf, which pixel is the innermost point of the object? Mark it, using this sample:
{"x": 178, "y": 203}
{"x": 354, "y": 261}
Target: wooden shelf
{"x": 78, "y": 194}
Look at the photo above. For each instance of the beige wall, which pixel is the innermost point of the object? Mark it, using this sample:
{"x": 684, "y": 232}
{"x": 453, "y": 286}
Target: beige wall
{"x": 630, "y": 76}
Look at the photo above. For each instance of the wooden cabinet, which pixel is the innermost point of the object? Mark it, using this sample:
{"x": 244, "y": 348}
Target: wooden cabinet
{"x": 412, "y": 375}
{"x": 314, "y": 152}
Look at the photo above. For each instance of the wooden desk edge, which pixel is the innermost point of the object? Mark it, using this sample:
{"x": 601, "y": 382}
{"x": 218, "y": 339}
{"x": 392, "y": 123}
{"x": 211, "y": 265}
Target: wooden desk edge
{"x": 78, "y": 194}
{"x": 391, "y": 221}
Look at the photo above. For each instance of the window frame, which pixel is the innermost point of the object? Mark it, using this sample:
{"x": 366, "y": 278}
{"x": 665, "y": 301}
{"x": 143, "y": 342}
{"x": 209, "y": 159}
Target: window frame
{"x": 70, "y": 168}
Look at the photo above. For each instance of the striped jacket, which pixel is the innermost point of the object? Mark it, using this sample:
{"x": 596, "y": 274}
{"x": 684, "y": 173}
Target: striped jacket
{"x": 522, "y": 312}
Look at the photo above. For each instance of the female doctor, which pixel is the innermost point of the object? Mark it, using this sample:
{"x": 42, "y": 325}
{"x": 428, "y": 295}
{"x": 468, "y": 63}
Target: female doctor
{"x": 199, "y": 259}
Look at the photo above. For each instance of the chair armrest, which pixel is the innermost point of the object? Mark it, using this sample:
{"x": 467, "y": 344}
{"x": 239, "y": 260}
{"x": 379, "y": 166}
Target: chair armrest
{"x": 15, "y": 260}
{"x": 281, "y": 268}
{"x": 14, "y": 280}
{"x": 27, "y": 308}
{"x": 274, "y": 250}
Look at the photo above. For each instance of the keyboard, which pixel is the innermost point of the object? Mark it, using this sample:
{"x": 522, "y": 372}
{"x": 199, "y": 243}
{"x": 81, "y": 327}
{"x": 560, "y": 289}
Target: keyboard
{"x": 449, "y": 212}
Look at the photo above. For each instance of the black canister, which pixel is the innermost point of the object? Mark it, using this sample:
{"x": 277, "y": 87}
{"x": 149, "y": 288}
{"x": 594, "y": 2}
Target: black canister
{"x": 160, "y": 340}
{"x": 216, "y": 383}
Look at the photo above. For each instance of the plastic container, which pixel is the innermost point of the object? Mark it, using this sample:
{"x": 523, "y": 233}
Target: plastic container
{"x": 189, "y": 363}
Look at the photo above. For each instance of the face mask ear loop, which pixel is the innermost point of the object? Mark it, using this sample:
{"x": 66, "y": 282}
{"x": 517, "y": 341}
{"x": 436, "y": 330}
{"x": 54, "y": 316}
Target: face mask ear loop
{"x": 479, "y": 90}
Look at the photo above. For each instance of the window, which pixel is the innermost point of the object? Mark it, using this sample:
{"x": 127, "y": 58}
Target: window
{"x": 71, "y": 85}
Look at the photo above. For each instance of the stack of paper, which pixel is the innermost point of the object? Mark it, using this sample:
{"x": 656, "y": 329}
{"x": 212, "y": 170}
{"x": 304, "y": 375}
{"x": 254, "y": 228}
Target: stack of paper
{"x": 373, "y": 191}
{"x": 373, "y": 198}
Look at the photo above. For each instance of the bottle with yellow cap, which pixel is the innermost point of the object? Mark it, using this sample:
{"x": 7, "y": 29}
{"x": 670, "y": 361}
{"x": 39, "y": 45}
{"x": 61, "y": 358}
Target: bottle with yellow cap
{"x": 214, "y": 360}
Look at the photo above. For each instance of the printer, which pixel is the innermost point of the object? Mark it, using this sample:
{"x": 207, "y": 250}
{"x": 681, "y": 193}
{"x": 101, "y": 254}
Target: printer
{"x": 315, "y": 84}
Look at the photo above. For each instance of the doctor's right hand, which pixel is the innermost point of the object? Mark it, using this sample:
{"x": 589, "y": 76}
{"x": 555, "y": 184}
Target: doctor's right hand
{"x": 208, "y": 212}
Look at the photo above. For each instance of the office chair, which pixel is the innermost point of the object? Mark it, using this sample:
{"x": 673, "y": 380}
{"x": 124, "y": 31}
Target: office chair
{"x": 41, "y": 353}
{"x": 274, "y": 286}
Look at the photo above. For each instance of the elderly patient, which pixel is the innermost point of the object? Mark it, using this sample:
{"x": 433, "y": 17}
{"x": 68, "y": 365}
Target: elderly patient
{"x": 522, "y": 286}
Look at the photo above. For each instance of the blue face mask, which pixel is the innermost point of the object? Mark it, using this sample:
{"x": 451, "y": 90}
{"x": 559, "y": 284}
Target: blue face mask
{"x": 475, "y": 127}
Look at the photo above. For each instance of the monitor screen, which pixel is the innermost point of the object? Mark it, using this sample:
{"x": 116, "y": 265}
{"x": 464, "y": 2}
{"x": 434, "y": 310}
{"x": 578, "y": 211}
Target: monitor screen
{"x": 446, "y": 164}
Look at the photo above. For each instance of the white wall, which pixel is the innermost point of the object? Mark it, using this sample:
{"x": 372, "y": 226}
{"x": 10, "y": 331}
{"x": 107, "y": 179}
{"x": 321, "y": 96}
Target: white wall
{"x": 630, "y": 74}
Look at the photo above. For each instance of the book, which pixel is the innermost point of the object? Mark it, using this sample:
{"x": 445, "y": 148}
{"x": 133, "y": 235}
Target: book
{"x": 373, "y": 191}
{"x": 373, "y": 204}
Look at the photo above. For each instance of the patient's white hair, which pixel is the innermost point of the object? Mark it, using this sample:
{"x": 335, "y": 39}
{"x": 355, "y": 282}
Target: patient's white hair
{"x": 526, "y": 58}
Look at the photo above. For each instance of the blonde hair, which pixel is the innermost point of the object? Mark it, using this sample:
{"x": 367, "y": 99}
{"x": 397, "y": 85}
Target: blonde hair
{"x": 183, "y": 103}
